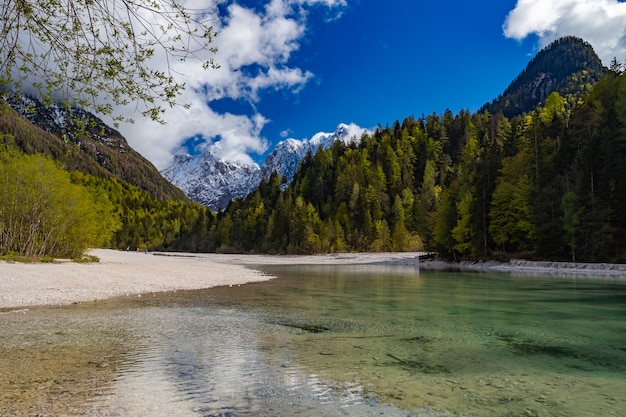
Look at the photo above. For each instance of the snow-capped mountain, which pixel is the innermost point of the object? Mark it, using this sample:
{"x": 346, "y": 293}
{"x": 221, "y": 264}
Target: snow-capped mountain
{"x": 214, "y": 182}
{"x": 80, "y": 141}
{"x": 64, "y": 122}
{"x": 286, "y": 156}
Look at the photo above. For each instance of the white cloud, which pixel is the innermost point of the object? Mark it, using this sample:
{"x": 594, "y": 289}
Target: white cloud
{"x": 254, "y": 51}
{"x": 602, "y": 23}
{"x": 239, "y": 134}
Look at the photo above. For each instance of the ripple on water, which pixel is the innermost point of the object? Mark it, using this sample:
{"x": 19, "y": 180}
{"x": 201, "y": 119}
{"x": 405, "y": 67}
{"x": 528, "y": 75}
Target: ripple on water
{"x": 214, "y": 365}
{"x": 320, "y": 353}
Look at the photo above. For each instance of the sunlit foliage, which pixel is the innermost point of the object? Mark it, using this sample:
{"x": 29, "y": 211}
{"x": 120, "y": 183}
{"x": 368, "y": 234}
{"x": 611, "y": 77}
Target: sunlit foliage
{"x": 42, "y": 213}
{"x": 98, "y": 54}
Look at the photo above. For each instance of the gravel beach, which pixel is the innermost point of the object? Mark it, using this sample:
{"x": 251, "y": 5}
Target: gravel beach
{"x": 122, "y": 273}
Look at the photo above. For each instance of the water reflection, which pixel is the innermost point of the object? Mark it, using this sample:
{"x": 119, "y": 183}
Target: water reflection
{"x": 470, "y": 344}
{"x": 327, "y": 341}
{"x": 224, "y": 362}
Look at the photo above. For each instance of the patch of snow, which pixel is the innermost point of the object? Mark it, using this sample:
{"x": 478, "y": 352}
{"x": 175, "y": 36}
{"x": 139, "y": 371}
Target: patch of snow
{"x": 214, "y": 182}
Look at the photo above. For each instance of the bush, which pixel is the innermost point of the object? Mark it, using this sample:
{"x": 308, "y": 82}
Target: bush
{"x": 42, "y": 214}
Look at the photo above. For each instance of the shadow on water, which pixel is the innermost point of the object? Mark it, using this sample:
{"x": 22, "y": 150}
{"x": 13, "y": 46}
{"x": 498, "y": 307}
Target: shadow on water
{"x": 327, "y": 341}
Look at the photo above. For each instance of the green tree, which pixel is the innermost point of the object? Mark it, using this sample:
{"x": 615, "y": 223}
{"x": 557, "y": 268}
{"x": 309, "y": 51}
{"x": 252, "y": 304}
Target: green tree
{"x": 83, "y": 49}
{"x": 224, "y": 233}
{"x": 467, "y": 230}
{"x": 571, "y": 220}
{"x": 382, "y": 242}
{"x": 393, "y": 170}
{"x": 43, "y": 214}
{"x": 511, "y": 215}
{"x": 444, "y": 220}
{"x": 426, "y": 203}
{"x": 463, "y": 232}
{"x": 553, "y": 109}
{"x": 400, "y": 236}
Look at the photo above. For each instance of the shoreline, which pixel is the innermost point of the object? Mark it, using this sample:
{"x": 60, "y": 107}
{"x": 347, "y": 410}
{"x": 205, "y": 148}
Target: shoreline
{"x": 521, "y": 267}
{"x": 118, "y": 273}
{"x": 126, "y": 273}
{"x": 121, "y": 273}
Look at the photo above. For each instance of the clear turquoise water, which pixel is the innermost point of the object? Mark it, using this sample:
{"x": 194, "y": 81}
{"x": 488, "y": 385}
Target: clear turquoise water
{"x": 338, "y": 341}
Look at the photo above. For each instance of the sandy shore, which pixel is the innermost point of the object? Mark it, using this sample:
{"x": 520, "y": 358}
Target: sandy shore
{"x": 125, "y": 273}
{"x": 130, "y": 273}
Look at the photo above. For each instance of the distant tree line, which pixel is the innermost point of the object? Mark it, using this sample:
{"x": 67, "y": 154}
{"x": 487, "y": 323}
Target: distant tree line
{"x": 547, "y": 184}
{"x": 49, "y": 212}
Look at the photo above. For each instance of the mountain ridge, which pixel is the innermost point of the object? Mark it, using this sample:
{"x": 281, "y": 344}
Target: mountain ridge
{"x": 80, "y": 141}
{"x": 569, "y": 66}
{"x": 214, "y": 182}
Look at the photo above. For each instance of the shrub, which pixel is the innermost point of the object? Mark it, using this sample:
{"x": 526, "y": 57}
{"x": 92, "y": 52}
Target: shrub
{"x": 42, "y": 214}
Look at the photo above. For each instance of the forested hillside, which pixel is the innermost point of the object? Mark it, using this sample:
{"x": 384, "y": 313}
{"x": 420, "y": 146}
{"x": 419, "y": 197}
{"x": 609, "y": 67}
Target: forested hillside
{"x": 568, "y": 66}
{"x": 81, "y": 142}
{"x": 58, "y": 197}
{"x": 544, "y": 183}
{"x": 548, "y": 184}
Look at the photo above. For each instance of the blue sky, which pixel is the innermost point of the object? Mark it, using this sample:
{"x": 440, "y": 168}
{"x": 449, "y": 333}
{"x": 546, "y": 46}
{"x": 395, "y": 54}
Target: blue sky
{"x": 384, "y": 61}
{"x": 292, "y": 68}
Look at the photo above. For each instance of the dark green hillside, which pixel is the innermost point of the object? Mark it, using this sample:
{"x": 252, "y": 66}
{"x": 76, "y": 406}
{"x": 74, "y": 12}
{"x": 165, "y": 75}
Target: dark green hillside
{"x": 103, "y": 152}
{"x": 550, "y": 184}
{"x": 141, "y": 207}
{"x": 568, "y": 66}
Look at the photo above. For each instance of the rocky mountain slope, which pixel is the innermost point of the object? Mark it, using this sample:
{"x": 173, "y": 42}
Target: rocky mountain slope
{"x": 214, "y": 182}
{"x": 210, "y": 180}
{"x": 568, "y": 66}
{"x": 81, "y": 142}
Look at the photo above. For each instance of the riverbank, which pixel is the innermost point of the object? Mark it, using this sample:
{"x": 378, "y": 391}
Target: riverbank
{"x": 122, "y": 273}
{"x": 544, "y": 268}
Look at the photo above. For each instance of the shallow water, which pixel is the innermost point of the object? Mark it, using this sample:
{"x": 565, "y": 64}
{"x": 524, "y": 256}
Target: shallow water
{"x": 327, "y": 341}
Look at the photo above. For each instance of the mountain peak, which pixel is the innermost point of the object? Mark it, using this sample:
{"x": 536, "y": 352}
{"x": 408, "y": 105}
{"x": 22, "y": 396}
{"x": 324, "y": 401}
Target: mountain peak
{"x": 569, "y": 66}
{"x": 80, "y": 141}
{"x": 214, "y": 182}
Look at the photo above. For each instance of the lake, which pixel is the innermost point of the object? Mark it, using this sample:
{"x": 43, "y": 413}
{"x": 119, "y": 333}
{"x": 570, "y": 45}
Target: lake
{"x": 327, "y": 341}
